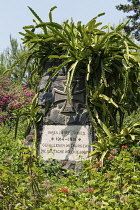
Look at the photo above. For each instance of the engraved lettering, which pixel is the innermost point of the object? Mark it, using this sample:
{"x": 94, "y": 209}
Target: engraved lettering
{"x": 63, "y": 142}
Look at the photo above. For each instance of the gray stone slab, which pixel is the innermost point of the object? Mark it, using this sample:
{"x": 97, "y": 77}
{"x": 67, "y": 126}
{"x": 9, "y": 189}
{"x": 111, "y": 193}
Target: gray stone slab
{"x": 66, "y": 142}
{"x": 65, "y": 131}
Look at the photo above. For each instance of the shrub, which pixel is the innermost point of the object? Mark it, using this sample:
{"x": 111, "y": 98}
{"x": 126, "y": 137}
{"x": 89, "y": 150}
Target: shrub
{"x": 12, "y": 98}
{"x": 26, "y": 183}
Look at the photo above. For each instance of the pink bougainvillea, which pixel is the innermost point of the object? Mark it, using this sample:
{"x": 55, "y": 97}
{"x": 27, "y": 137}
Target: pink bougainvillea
{"x": 12, "y": 97}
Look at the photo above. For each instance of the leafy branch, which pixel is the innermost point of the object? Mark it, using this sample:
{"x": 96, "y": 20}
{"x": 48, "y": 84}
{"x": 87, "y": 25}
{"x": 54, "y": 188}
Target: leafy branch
{"x": 106, "y": 56}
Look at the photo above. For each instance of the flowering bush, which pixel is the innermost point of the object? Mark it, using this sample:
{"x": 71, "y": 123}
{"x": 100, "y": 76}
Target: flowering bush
{"x": 26, "y": 184}
{"x": 12, "y": 98}
{"x": 110, "y": 180}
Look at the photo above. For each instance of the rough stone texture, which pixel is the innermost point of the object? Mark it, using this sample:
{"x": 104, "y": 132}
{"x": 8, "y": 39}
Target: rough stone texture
{"x": 61, "y": 111}
{"x": 55, "y": 115}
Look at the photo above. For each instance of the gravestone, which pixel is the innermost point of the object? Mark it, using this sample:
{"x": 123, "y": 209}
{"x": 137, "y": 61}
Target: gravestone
{"x": 65, "y": 133}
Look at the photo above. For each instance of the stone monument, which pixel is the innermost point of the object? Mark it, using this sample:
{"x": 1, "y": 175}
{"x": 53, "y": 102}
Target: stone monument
{"x": 65, "y": 131}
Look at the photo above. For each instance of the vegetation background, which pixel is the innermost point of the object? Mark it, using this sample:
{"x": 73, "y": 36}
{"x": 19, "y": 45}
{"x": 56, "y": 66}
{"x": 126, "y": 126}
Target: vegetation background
{"x": 109, "y": 60}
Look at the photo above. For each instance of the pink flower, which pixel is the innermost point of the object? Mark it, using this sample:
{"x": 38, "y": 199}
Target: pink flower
{"x": 65, "y": 190}
{"x": 4, "y": 98}
{"x": 110, "y": 157}
{"x": 18, "y": 106}
{"x": 2, "y": 103}
{"x": 108, "y": 175}
{"x": 124, "y": 147}
{"x": 134, "y": 152}
{"x": 90, "y": 190}
{"x": 30, "y": 94}
{"x": 24, "y": 88}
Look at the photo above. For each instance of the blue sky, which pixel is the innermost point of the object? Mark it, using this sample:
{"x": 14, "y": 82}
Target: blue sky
{"x": 14, "y": 14}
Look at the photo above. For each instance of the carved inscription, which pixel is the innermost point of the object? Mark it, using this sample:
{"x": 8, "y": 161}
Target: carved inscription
{"x": 66, "y": 142}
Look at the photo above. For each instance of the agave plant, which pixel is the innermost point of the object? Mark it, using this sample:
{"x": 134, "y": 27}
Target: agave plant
{"x": 106, "y": 57}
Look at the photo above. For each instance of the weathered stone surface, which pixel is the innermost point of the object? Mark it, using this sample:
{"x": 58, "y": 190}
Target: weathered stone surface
{"x": 61, "y": 116}
{"x": 61, "y": 111}
{"x": 66, "y": 142}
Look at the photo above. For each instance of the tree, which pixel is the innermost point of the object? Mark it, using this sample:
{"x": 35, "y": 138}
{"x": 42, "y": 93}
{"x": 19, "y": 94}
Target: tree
{"x": 134, "y": 27}
{"x": 13, "y": 63}
{"x": 108, "y": 60}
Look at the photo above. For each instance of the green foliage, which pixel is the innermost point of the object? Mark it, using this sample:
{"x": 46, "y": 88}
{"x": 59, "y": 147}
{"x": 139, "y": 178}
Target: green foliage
{"x": 27, "y": 183}
{"x": 17, "y": 104}
{"x": 107, "y": 59}
{"x": 110, "y": 179}
{"x": 134, "y": 27}
{"x": 33, "y": 117}
{"x": 18, "y": 170}
{"x": 129, "y": 136}
{"x": 13, "y": 63}
{"x": 132, "y": 119}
